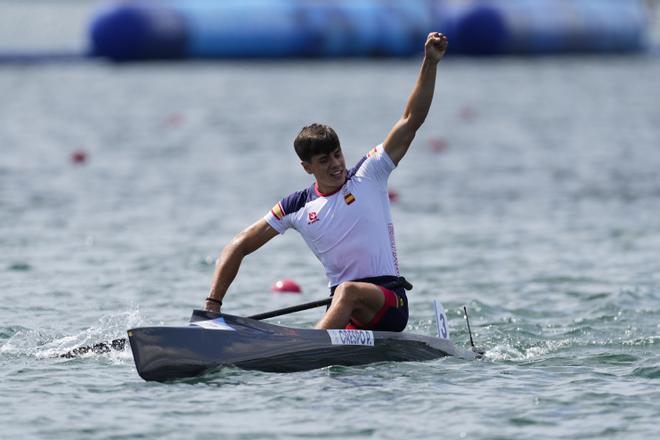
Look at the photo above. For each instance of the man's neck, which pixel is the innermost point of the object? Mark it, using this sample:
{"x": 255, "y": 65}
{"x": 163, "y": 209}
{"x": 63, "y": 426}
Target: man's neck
{"x": 326, "y": 191}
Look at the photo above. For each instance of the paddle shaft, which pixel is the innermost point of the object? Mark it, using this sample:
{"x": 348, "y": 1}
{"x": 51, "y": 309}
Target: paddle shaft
{"x": 292, "y": 309}
{"x": 400, "y": 282}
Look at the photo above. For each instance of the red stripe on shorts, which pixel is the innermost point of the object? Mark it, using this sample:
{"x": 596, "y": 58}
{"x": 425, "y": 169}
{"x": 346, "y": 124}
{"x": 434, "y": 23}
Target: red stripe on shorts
{"x": 391, "y": 301}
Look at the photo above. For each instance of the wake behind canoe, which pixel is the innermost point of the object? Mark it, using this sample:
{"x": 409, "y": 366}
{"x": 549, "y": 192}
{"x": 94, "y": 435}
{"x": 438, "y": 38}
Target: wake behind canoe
{"x": 215, "y": 340}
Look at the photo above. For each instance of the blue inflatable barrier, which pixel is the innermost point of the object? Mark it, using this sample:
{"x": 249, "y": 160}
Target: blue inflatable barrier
{"x": 260, "y": 28}
{"x": 138, "y": 31}
{"x": 342, "y": 28}
{"x": 492, "y": 27}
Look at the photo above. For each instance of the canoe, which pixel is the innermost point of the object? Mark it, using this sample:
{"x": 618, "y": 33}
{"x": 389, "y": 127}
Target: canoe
{"x": 213, "y": 340}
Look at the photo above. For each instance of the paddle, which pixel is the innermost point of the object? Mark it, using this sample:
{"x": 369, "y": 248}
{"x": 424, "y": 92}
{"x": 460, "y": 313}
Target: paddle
{"x": 292, "y": 309}
{"x": 399, "y": 282}
{"x": 101, "y": 347}
{"x": 120, "y": 343}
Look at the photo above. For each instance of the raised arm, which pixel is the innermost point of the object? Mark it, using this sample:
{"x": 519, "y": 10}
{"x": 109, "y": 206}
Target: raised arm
{"x": 229, "y": 261}
{"x": 402, "y": 134}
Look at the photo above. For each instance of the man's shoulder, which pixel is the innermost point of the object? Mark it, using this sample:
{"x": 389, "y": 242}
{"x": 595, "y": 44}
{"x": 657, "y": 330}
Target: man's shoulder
{"x": 375, "y": 163}
{"x": 353, "y": 171}
{"x": 296, "y": 201}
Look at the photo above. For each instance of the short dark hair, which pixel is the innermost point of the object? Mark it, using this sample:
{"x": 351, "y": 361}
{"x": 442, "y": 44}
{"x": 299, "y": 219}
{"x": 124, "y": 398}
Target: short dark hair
{"x": 315, "y": 139}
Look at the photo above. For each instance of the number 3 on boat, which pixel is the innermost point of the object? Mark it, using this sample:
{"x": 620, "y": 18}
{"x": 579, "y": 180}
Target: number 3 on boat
{"x": 440, "y": 319}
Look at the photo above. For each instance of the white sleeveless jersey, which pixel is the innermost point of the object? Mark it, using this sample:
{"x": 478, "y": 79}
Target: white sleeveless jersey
{"x": 350, "y": 231}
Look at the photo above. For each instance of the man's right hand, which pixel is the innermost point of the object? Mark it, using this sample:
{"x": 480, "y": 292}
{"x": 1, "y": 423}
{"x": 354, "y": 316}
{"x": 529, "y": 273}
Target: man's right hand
{"x": 229, "y": 261}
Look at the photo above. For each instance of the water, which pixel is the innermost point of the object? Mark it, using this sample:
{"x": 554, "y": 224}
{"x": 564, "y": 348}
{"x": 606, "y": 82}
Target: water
{"x": 541, "y": 215}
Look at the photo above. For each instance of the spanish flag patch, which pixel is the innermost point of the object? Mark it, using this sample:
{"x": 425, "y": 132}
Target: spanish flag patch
{"x": 278, "y": 212}
{"x": 349, "y": 198}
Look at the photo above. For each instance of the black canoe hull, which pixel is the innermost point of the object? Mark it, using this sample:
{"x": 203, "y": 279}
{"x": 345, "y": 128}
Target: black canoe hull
{"x": 165, "y": 353}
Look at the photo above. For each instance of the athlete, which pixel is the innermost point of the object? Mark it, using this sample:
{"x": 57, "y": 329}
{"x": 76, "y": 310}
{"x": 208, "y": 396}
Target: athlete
{"x": 344, "y": 217}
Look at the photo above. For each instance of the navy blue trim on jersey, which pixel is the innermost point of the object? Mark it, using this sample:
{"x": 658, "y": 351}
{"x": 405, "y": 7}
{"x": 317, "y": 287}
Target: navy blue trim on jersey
{"x": 355, "y": 169}
{"x": 296, "y": 201}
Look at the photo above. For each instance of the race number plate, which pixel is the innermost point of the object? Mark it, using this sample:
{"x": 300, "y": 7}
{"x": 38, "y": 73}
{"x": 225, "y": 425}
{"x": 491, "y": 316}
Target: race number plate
{"x": 441, "y": 319}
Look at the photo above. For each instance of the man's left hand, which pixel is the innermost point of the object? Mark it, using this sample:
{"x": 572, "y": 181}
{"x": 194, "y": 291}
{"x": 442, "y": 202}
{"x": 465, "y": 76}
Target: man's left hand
{"x": 436, "y": 46}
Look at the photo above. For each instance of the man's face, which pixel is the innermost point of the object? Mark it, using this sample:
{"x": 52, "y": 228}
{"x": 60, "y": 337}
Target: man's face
{"x": 328, "y": 169}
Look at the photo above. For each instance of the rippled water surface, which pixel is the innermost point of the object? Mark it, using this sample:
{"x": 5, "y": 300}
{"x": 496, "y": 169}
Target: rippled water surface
{"x": 532, "y": 195}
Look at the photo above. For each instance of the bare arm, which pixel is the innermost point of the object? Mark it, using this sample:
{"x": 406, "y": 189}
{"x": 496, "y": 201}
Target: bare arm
{"x": 229, "y": 261}
{"x": 402, "y": 134}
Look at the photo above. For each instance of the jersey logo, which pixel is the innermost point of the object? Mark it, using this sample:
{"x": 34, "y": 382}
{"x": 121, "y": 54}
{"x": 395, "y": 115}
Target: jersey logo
{"x": 372, "y": 152}
{"x": 312, "y": 217}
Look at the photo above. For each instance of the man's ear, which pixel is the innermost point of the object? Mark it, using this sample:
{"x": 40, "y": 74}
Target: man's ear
{"x": 306, "y": 166}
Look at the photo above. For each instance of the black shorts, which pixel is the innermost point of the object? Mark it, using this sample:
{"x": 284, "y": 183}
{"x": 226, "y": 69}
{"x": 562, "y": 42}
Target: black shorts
{"x": 393, "y": 316}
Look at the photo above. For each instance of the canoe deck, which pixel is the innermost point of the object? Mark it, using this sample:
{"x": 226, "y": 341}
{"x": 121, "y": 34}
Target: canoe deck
{"x": 215, "y": 340}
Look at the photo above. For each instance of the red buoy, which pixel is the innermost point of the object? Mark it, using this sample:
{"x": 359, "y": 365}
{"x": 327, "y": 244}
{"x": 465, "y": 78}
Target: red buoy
{"x": 79, "y": 157}
{"x": 174, "y": 120}
{"x": 466, "y": 113}
{"x": 286, "y": 285}
{"x": 438, "y": 145}
{"x": 393, "y": 195}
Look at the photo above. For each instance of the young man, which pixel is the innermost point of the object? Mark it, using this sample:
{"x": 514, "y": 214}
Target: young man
{"x": 345, "y": 217}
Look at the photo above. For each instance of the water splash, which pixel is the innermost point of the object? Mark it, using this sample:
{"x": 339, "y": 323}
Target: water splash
{"x": 43, "y": 344}
{"x": 514, "y": 351}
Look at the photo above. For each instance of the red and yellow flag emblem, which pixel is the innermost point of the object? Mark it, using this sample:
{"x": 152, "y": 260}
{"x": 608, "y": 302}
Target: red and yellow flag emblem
{"x": 278, "y": 212}
{"x": 349, "y": 198}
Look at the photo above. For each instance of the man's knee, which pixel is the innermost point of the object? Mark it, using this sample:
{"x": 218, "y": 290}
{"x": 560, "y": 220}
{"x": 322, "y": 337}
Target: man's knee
{"x": 347, "y": 293}
{"x": 357, "y": 295}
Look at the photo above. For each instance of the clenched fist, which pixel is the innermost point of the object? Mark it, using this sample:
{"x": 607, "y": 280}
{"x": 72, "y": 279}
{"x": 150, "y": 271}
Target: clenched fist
{"x": 436, "y": 46}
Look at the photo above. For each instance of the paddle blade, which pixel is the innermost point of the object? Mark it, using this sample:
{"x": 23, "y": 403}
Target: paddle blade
{"x": 99, "y": 348}
{"x": 440, "y": 320}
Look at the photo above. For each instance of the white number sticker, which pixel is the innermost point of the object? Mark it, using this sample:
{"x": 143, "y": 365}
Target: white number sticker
{"x": 351, "y": 337}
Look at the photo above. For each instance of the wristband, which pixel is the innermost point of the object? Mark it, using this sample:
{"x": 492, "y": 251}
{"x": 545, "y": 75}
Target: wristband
{"x": 213, "y": 300}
